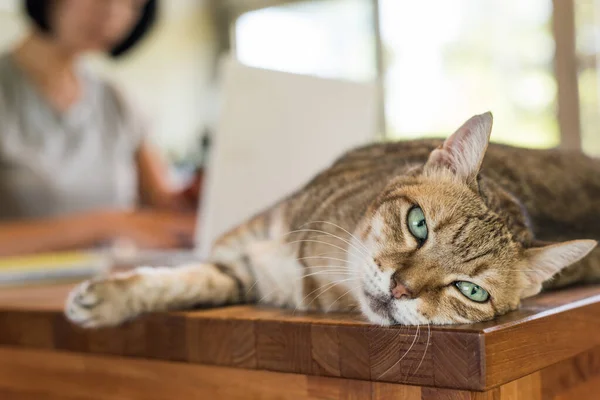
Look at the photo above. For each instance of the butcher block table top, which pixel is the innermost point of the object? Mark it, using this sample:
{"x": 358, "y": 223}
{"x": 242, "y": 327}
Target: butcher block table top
{"x": 549, "y": 328}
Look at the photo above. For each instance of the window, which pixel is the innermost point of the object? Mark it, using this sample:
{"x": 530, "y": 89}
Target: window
{"x": 443, "y": 61}
{"x": 329, "y": 38}
{"x": 469, "y": 57}
{"x": 587, "y": 18}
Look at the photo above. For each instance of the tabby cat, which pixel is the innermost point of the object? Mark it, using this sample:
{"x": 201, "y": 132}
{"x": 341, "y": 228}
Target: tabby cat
{"x": 410, "y": 233}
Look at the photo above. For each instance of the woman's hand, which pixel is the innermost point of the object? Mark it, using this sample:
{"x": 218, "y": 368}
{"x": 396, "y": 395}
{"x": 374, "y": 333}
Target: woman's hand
{"x": 153, "y": 229}
{"x": 145, "y": 229}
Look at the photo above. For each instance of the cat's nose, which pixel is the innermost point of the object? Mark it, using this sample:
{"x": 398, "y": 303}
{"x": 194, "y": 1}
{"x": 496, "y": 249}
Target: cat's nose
{"x": 399, "y": 290}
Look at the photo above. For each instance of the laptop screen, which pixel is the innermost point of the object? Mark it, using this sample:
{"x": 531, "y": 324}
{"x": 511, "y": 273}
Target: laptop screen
{"x": 275, "y": 131}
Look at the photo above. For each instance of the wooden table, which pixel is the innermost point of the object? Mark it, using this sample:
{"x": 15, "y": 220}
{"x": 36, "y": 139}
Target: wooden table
{"x": 550, "y": 349}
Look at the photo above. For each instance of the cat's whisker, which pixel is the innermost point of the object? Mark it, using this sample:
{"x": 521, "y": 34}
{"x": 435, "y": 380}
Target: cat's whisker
{"x": 251, "y": 287}
{"x": 418, "y": 336}
{"x": 331, "y": 271}
{"x": 339, "y": 227}
{"x": 329, "y": 288}
{"x": 320, "y": 242}
{"x": 268, "y": 294}
{"x": 329, "y": 266}
{"x": 331, "y": 284}
{"x": 404, "y": 355}
{"x": 341, "y": 272}
{"x": 424, "y": 351}
{"x": 344, "y": 267}
{"x": 256, "y": 280}
{"x": 323, "y": 258}
{"x": 327, "y": 285}
{"x": 363, "y": 252}
{"x": 328, "y": 234}
{"x": 345, "y": 293}
{"x": 339, "y": 269}
{"x": 327, "y": 253}
{"x": 528, "y": 270}
{"x": 351, "y": 263}
{"x": 328, "y": 244}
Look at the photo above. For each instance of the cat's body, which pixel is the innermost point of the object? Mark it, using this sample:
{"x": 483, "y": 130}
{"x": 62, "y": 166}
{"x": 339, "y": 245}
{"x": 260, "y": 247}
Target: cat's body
{"x": 344, "y": 240}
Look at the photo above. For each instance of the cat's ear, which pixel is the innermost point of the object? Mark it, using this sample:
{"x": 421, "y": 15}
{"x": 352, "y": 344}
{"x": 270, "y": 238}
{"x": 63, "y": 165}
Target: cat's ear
{"x": 463, "y": 151}
{"x": 542, "y": 263}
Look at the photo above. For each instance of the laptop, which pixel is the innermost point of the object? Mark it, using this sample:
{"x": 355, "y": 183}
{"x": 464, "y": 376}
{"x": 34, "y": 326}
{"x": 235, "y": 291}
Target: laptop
{"x": 275, "y": 131}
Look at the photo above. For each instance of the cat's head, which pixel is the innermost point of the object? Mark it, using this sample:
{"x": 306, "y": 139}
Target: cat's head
{"x": 431, "y": 251}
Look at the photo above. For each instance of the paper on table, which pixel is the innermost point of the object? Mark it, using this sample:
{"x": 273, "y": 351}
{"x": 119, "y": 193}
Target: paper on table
{"x": 52, "y": 266}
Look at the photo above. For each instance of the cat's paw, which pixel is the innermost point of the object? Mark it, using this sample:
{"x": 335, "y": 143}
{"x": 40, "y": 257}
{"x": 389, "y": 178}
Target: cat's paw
{"x": 101, "y": 302}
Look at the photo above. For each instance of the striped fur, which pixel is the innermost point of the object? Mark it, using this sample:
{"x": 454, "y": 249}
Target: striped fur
{"x": 340, "y": 242}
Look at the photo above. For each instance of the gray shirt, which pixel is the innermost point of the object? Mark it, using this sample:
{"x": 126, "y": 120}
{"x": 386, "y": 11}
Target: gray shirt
{"x": 55, "y": 163}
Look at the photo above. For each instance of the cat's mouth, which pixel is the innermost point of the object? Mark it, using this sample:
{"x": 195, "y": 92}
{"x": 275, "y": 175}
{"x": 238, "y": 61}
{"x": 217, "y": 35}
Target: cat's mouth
{"x": 381, "y": 306}
{"x": 378, "y": 303}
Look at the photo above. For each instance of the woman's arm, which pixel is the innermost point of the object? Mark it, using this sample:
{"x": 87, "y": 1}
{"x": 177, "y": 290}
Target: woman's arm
{"x": 145, "y": 229}
{"x": 52, "y": 234}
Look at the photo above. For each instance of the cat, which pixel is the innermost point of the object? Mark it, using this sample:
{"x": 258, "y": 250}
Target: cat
{"x": 414, "y": 232}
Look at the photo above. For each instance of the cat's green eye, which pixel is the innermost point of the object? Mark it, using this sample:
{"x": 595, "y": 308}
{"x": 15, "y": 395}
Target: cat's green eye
{"x": 473, "y": 291}
{"x": 417, "y": 224}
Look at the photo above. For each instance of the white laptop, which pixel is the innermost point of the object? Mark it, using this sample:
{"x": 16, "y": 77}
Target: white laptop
{"x": 275, "y": 131}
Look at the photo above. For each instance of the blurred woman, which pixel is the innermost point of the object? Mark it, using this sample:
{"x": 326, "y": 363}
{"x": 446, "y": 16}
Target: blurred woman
{"x": 75, "y": 160}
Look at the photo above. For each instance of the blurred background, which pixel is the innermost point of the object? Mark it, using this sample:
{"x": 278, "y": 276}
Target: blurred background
{"x": 432, "y": 64}
{"x": 533, "y": 63}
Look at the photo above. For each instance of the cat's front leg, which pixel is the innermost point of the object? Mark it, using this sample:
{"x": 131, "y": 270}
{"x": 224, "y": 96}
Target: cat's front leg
{"x": 120, "y": 297}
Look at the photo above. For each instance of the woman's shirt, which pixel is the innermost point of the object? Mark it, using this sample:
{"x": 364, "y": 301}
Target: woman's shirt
{"x": 54, "y": 163}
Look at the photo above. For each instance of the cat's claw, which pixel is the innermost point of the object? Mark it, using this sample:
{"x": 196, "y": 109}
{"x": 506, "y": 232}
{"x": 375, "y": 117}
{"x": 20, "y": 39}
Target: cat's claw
{"x": 98, "y": 303}
{"x": 86, "y": 297}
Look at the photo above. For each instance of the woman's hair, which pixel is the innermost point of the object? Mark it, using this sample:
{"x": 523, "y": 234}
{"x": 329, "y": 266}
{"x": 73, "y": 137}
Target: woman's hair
{"x": 38, "y": 11}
